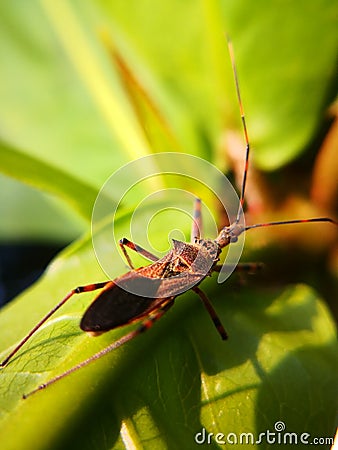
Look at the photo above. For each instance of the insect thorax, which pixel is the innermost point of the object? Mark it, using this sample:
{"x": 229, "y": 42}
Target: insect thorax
{"x": 198, "y": 257}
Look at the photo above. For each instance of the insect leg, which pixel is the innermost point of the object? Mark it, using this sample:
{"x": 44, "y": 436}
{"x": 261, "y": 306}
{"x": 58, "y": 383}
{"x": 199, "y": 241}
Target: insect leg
{"x": 126, "y": 243}
{"x": 250, "y": 267}
{"x": 144, "y": 326}
{"x": 78, "y": 290}
{"x": 196, "y": 229}
{"x": 212, "y": 312}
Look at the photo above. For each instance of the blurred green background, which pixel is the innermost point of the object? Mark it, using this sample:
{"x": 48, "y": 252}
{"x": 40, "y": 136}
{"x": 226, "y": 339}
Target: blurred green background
{"x": 86, "y": 87}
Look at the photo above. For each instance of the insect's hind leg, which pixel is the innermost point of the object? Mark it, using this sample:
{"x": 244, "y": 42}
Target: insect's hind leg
{"x": 123, "y": 243}
{"x": 147, "y": 323}
{"x": 197, "y": 224}
{"x": 78, "y": 290}
{"x": 212, "y": 312}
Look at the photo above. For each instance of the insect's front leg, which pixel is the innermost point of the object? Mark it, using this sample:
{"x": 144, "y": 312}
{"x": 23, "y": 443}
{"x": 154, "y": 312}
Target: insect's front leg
{"x": 78, "y": 290}
{"x": 138, "y": 249}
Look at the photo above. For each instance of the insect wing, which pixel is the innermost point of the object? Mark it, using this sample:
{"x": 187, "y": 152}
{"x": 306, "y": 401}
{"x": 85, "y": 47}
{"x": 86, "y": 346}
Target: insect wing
{"x": 178, "y": 284}
{"x": 118, "y": 304}
{"x": 131, "y": 297}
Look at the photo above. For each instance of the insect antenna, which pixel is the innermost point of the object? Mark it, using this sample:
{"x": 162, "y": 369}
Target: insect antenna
{"x": 236, "y": 231}
{"x": 290, "y": 222}
{"x": 245, "y": 131}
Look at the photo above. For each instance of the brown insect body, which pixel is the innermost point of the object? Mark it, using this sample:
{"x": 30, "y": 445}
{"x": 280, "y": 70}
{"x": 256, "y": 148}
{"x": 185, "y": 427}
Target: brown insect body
{"x": 137, "y": 293}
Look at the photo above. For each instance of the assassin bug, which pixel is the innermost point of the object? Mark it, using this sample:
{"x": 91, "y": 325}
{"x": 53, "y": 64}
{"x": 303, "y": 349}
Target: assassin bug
{"x": 157, "y": 285}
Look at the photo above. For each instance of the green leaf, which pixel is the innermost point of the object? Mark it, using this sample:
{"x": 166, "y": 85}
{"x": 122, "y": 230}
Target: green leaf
{"x": 21, "y": 218}
{"x": 63, "y": 104}
{"x": 35, "y": 172}
{"x": 161, "y": 389}
{"x": 287, "y": 95}
{"x": 67, "y": 124}
{"x": 286, "y": 79}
